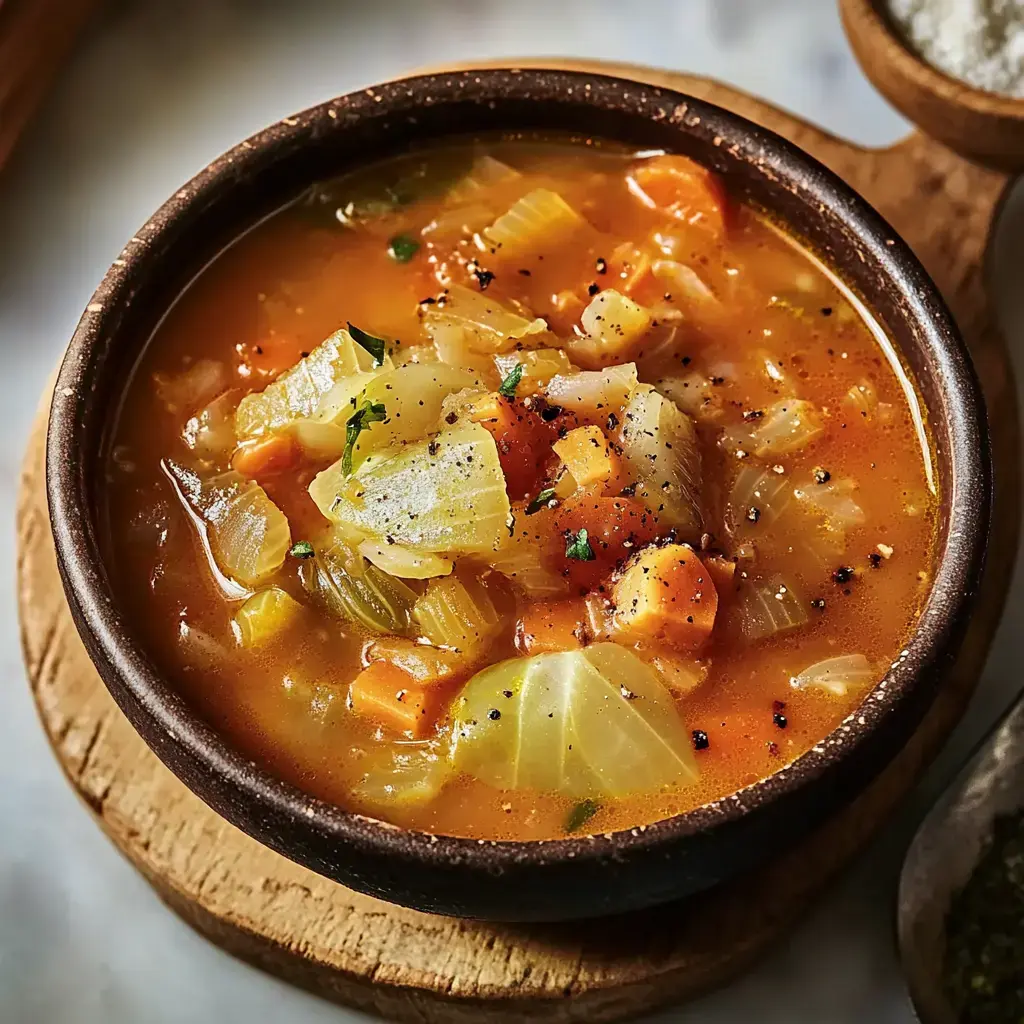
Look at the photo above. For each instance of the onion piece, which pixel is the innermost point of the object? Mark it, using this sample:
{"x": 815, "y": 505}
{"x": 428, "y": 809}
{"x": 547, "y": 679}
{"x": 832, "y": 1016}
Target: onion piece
{"x": 487, "y": 325}
{"x": 862, "y": 400}
{"x": 193, "y": 387}
{"x": 457, "y": 613}
{"x": 695, "y": 395}
{"x": 787, "y": 426}
{"x": 539, "y": 366}
{"x": 758, "y": 496}
{"x": 613, "y": 323}
{"x": 405, "y": 563}
{"x": 767, "y": 607}
{"x": 660, "y": 445}
{"x": 540, "y": 218}
{"x": 833, "y": 501}
{"x": 424, "y": 662}
{"x": 210, "y": 433}
{"x": 486, "y": 172}
{"x": 347, "y": 586}
{"x": 836, "y": 675}
{"x": 403, "y": 775}
{"x": 593, "y": 394}
{"x": 247, "y": 535}
{"x": 265, "y": 616}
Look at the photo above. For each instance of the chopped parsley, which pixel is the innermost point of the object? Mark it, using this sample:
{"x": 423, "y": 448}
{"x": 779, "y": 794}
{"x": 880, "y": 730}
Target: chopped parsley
{"x": 511, "y": 381}
{"x": 360, "y": 420}
{"x": 375, "y": 346}
{"x": 540, "y": 501}
{"x": 581, "y": 814}
{"x": 301, "y": 549}
{"x": 579, "y": 547}
{"x": 402, "y": 248}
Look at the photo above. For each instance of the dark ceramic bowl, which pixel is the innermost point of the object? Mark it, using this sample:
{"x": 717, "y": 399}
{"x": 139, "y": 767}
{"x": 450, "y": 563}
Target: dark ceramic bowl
{"x": 570, "y": 877}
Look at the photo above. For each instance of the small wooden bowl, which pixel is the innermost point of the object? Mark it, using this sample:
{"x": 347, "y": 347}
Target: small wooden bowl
{"x": 982, "y": 126}
{"x": 582, "y": 876}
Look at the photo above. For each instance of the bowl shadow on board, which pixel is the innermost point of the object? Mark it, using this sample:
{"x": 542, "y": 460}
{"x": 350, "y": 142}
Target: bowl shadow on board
{"x": 561, "y": 879}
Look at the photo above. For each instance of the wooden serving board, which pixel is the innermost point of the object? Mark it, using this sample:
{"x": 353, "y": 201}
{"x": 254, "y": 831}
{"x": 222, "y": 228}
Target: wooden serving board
{"x": 408, "y": 966}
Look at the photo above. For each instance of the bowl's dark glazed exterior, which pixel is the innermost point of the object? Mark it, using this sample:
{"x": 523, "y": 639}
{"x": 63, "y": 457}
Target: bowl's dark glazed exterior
{"x": 565, "y": 878}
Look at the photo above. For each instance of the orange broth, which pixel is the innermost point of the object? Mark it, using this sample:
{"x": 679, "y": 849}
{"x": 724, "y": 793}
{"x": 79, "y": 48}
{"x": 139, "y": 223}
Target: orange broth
{"x": 764, "y": 323}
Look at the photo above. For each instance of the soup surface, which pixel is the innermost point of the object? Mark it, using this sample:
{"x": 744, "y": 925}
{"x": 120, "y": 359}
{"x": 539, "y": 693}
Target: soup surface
{"x": 520, "y": 488}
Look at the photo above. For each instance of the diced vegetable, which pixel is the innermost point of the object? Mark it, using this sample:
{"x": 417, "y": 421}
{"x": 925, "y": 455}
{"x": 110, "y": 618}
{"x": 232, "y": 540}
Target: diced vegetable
{"x": 539, "y": 366}
{"x": 613, "y": 324}
{"x": 457, "y": 612}
{"x": 298, "y": 392}
{"x": 313, "y": 700}
{"x": 592, "y": 461}
{"x": 862, "y": 400}
{"x": 686, "y": 289}
{"x": 552, "y": 626}
{"x": 193, "y": 387}
{"x": 487, "y": 326}
{"x": 660, "y": 446}
{"x": 530, "y": 554}
{"x": 428, "y": 665}
{"x": 349, "y": 587}
{"x": 247, "y": 533}
{"x": 266, "y": 615}
{"x": 392, "y": 698}
{"x": 836, "y": 675}
{"x": 757, "y": 498}
{"x": 541, "y": 218}
{"x": 210, "y": 433}
{"x": 683, "y": 189}
{"x": 485, "y": 173}
{"x": 723, "y": 574}
{"x": 594, "y": 394}
{"x": 833, "y": 500}
{"x": 406, "y": 563}
{"x": 665, "y": 593}
{"x": 404, "y": 775}
{"x": 769, "y": 606}
{"x": 588, "y": 723}
{"x": 681, "y": 673}
{"x": 695, "y": 395}
{"x": 445, "y": 495}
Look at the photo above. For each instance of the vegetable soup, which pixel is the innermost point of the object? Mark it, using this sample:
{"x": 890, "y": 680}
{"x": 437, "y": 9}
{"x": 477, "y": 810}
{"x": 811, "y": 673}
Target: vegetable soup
{"x": 518, "y": 488}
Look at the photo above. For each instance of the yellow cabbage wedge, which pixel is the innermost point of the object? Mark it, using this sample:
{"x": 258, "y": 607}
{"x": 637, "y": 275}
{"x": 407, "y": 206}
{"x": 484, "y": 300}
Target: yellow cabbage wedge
{"x": 297, "y": 393}
{"x": 596, "y": 722}
{"x": 245, "y": 532}
{"x": 444, "y": 494}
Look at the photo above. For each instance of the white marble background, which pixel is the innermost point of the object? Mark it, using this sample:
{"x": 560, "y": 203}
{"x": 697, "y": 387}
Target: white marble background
{"x": 155, "y": 92}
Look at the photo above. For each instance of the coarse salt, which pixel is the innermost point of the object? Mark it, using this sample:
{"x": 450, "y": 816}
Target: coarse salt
{"x": 981, "y": 42}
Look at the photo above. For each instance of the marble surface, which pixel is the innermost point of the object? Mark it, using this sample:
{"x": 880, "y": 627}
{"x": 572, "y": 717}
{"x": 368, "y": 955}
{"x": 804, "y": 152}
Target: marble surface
{"x": 157, "y": 90}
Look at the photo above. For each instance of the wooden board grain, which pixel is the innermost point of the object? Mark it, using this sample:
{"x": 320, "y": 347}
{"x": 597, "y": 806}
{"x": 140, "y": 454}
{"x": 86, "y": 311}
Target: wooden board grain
{"x": 408, "y": 966}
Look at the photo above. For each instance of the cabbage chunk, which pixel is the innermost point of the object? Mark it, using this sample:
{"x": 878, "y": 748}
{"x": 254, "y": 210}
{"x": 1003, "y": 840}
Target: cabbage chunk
{"x": 596, "y": 722}
{"x": 445, "y": 495}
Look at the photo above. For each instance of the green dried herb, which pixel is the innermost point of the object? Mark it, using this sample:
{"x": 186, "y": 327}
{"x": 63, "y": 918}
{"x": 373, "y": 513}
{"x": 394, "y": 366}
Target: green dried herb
{"x": 302, "y": 549}
{"x": 402, "y": 248}
{"x": 581, "y": 814}
{"x": 984, "y": 966}
{"x": 375, "y": 346}
{"x": 511, "y": 381}
{"x": 541, "y": 501}
{"x": 360, "y": 420}
{"x": 579, "y": 547}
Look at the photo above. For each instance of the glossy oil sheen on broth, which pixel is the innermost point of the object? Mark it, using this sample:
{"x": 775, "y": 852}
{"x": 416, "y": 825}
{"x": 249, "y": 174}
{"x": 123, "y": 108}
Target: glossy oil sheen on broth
{"x": 603, "y": 503}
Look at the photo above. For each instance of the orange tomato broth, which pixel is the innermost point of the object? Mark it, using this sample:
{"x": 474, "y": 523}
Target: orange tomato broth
{"x": 298, "y": 276}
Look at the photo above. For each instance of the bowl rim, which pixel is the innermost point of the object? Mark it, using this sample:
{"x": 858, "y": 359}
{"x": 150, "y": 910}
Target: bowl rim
{"x": 962, "y": 545}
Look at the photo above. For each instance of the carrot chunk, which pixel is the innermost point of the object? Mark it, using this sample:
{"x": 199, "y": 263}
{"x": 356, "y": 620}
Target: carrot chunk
{"x": 273, "y": 455}
{"x": 522, "y": 438}
{"x": 592, "y": 460}
{"x": 666, "y": 594}
{"x": 723, "y": 573}
{"x": 392, "y": 698}
{"x": 551, "y": 626}
{"x": 683, "y": 189}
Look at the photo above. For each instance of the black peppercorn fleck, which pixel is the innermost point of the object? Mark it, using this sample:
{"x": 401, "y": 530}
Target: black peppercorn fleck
{"x": 780, "y": 719}
{"x": 842, "y": 575}
{"x": 700, "y": 740}
{"x": 494, "y": 714}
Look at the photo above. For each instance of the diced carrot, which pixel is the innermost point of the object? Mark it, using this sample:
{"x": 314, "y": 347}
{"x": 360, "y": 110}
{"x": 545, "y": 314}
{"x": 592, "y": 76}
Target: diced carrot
{"x": 392, "y": 698}
{"x": 551, "y": 626}
{"x": 616, "y": 528}
{"x": 723, "y": 573}
{"x": 272, "y": 455}
{"x": 523, "y": 440}
{"x": 683, "y": 189}
{"x": 595, "y": 464}
{"x": 666, "y": 594}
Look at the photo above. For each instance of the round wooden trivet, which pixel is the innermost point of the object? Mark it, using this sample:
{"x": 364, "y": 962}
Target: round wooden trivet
{"x": 414, "y": 967}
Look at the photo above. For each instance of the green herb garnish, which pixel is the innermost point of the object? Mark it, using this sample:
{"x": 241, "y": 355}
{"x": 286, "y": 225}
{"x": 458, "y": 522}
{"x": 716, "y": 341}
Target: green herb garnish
{"x": 581, "y": 814}
{"x": 511, "y": 381}
{"x": 579, "y": 547}
{"x": 301, "y": 549}
{"x": 375, "y": 346}
{"x": 402, "y": 248}
{"x": 540, "y": 501}
{"x": 369, "y": 412}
